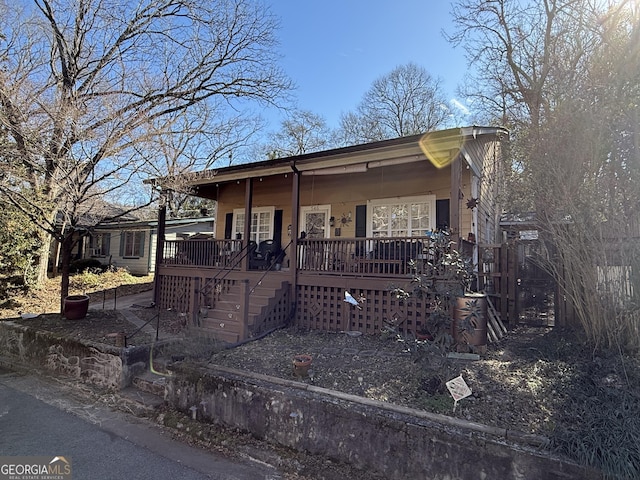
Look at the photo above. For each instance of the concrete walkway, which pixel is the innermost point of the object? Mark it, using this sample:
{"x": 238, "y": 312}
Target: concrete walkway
{"x": 127, "y": 306}
{"x": 143, "y": 299}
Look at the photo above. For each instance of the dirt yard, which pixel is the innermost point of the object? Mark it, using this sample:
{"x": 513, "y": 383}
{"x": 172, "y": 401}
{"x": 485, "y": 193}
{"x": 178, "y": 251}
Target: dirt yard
{"x": 536, "y": 380}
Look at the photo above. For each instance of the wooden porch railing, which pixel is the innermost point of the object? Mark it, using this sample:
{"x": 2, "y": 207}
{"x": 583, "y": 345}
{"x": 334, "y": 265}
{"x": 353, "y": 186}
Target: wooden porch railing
{"x": 363, "y": 266}
{"x": 202, "y": 253}
{"x": 375, "y": 256}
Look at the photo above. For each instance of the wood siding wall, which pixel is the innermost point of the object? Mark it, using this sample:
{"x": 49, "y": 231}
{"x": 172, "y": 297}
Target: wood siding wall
{"x": 344, "y": 192}
{"x": 491, "y": 186}
{"x": 135, "y": 265}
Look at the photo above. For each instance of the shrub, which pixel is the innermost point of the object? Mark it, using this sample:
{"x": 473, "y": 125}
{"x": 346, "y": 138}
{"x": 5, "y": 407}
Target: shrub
{"x": 11, "y": 286}
{"x": 100, "y": 279}
{"x": 86, "y": 279}
{"x": 19, "y": 244}
{"x": 447, "y": 274}
{"x": 86, "y": 264}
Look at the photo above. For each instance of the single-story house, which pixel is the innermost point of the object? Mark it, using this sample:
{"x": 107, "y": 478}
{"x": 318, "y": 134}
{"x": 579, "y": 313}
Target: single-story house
{"x": 294, "y": 234}
{"x": 132, "y": 244}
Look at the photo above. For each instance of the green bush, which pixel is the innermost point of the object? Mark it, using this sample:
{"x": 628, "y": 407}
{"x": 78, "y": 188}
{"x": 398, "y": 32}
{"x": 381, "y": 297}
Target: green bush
{"x": 446, "y": 275}
{"x": 86, "y": 264}
{"x": 19, "y": 244}
{"x": 11, "y": 286}
{"x": 604, "y": 438}
{"x": 99, "y": 279}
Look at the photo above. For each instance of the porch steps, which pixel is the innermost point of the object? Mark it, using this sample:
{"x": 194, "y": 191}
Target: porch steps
{"x": 225, "y": 322}
{"x": 226, "y": 329}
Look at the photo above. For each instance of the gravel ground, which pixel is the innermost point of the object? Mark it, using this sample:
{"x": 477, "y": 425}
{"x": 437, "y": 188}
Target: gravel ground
{"x": 536, "y": 380}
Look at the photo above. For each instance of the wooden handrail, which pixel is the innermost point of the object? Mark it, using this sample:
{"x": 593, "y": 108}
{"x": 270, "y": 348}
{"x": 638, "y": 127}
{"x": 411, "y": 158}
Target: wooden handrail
{"x": 362, "y": 256}
{"x": 204, "y": 253}
{"x": 374, "y": 256}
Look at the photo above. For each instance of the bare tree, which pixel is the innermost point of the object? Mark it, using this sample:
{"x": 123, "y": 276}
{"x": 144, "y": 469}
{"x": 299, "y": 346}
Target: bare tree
{"x": 301, "y": 132}
{"x": 526, "y": 57}
{"x": 405, "y": 102}
{"x": 594, "y": 138}
{"x": 565, "y": 76}
{"x": 524, "y": 53}
{"x": 204, "y": 136}
{"x": 82, "y": 82}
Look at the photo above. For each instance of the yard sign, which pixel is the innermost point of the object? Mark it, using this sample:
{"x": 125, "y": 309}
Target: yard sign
{"x": 458, "y": 389}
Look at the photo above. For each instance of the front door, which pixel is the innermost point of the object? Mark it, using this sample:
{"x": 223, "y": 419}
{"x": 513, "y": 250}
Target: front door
{"x": 315, "y": 221}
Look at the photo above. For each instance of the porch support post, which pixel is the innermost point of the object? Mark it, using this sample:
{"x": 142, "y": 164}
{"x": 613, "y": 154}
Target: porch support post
{"x": 295, "y": 215}
{"x": 194, "y": 302}
{"x": 162, "y": 221}
{"x": 456, "y": 175}
{"x": 248, "y": 201}
{"x": 243, "y": 314}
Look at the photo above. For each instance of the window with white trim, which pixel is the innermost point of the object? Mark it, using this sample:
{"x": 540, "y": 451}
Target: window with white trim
{"x": 261, "y": 223}
{"x": 401, "y": 217}
{"x": 99, "y": 246}
{"x": 132, "y": 244}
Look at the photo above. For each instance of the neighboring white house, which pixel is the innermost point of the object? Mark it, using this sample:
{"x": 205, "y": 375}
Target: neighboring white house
{"x": 132, "y": 244}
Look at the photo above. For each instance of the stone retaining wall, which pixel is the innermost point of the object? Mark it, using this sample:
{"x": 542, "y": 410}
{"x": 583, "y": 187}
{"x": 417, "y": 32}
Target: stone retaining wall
{"x": 400, "y": 443}
{"x": 102, "y": 365}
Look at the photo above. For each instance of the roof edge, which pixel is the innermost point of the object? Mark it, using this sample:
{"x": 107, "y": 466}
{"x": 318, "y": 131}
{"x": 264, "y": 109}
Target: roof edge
{"x": 306, "y": 161}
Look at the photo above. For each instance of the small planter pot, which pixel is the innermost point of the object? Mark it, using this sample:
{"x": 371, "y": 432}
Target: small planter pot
{"x": 301, "y": 365}
{"x": 76, "y": 307}
{"x": 119, "y": 338}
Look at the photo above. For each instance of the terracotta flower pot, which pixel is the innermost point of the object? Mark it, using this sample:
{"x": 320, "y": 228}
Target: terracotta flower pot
{"x": 301, "y": 364}
{"x": 76, "y": 307}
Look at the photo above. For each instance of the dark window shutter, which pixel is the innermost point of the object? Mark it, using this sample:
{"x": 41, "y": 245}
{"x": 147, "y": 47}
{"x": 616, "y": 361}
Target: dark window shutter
{"x": 442, "y": 214}
{"x": 277, "y": 225}
{"x": 361, "y": 220}
{"x": 143, "y": 234}
{"x": 228, "y": 225}
{"x": 123, "y": 235}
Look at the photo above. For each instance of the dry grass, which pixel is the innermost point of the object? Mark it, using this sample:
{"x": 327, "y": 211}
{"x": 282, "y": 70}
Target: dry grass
{"x": 46, "y": 299}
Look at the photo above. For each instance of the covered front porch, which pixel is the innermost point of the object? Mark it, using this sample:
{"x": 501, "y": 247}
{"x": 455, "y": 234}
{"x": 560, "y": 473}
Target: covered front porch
{"x": 230, "y": 297}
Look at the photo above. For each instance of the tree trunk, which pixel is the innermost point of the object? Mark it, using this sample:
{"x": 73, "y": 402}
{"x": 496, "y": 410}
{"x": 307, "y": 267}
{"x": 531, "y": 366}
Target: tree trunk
{"x": 66, "y": 248}
{"x": 56, "y": 259}
{"x": 43, "y": 262}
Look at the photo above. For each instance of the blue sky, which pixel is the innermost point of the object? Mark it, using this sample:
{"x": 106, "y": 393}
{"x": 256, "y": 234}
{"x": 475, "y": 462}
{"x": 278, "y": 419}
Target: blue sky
{"x": 334, "y": 49}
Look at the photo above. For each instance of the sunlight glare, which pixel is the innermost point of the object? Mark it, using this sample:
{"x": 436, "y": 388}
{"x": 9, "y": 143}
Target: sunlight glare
{"x": 441, "y": 148}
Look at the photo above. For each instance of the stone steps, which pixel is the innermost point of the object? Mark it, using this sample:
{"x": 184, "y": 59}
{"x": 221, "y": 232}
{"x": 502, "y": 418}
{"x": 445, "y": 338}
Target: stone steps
{"x": 140, "y": 402}
{"x": 147, "y": 391}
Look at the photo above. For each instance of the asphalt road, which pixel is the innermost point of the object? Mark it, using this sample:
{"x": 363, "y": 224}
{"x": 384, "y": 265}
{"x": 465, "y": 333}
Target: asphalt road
{"x": 38, "y": 417}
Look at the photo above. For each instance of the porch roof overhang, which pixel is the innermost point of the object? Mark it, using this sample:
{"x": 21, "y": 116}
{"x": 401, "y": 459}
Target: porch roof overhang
{"x": 443, "y": 147}
{"x": 145, "y": 224}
